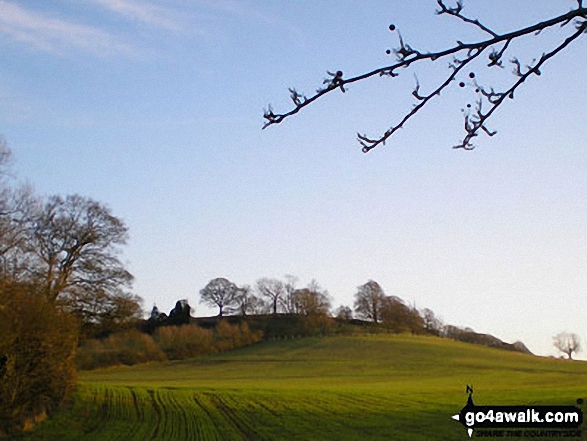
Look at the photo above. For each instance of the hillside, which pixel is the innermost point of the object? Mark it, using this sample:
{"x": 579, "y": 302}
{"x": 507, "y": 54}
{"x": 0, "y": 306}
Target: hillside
{"x": 359, "y": 387}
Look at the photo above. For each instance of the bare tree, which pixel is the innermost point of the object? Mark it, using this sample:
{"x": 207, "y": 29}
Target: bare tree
{"x": 432, "y": 324}
{"x": 248, "y": 303}
{"x": 219, "y": 292}
{"x": 344, "y": 313}
{"x": 288, "y": 301}
{"x": 272, "y": 289}
{"x": 16, "y": 205}
{"x": 105, "y": 312}
{"x": 369, "y": 300}
{"x": 494, "y": 49}
{"x": 313, "y": 300}
{"x": 567, "y": 343}
{"x": 75, "y": 242}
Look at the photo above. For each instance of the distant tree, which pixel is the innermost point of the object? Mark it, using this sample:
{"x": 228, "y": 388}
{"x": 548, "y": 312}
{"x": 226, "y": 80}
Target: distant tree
{"x": 399, "y": 317}
{"x": 247, "y": 303}
{"x": 313, "y": 300}
{"x": 432, "y": 324}
{"x": 567, "y": 343}
{"x": 369, "y": 300}
{"x": 288, "y": 300}
{"x": 452, "y": 332}
{"x": 272, "y": 289}
{"x": 219, "y": 292}
{"x": 415, "y": 320}
{"x": 492, "y": 51}
{"x": 344, "y": 313}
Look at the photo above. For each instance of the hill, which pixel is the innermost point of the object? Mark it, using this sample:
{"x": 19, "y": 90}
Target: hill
{"x": 344, "y": 388}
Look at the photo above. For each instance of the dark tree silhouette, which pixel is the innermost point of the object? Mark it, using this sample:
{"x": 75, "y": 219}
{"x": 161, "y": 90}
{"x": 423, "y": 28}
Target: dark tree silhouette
{"x": 272, "y": 289}
{"x": 220, "y": 292}
{"x": 369, "y": 301}
{"x": 494, "y": 49}
{"x": 567, "y": 343}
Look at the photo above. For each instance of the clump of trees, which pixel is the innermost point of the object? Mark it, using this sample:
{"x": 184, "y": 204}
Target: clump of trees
{"x": 270, "y": 295}
{"x": 371, "y": 303}
{"x": 302, "y": 311}
{"x": 60, "y": 279}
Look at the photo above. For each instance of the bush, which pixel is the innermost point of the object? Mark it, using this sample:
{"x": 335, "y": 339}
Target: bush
{"x": 128, "y": 348}
{"x": 184, "y": 341}
{"x": 37, "y": 347}
{"x": 228, "y": 336}
{"x": 167, "y": 343}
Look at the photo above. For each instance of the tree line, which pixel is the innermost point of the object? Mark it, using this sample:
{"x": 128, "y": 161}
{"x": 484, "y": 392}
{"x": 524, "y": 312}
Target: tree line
{"x": 273, "y": 295}
{"x": 303, "y": 311}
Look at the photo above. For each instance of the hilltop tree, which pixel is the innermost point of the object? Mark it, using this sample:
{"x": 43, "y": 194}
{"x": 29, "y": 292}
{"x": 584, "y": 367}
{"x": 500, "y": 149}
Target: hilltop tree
{"x": 399, "y": 317}
{"x": 288, "y": 300}
{"x": 272, "y": 289}
{"x": 432, "y": 324}
{"x": 567, "y": 343}
{"x": 248, "y": 303}
{"x": 313, "y": 300}
{"x": 489, "y": 53}
{"x": 369, "y": 300}
{"x": 344, "y": 313}
{"x": 219, "y": 292}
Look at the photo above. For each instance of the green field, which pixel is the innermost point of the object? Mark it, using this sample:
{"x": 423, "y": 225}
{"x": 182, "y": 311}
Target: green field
{"x": 380, "y": 387}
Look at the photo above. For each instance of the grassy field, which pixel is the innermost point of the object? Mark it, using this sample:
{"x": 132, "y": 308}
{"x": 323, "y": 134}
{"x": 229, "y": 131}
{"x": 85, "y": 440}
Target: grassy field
{"x": 379, "y": 387}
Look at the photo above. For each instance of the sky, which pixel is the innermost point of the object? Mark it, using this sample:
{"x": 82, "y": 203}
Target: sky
{"x": 155, "y": 108}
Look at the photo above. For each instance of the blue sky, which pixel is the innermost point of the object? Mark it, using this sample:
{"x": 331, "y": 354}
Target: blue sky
{"x": 155, "y": 108}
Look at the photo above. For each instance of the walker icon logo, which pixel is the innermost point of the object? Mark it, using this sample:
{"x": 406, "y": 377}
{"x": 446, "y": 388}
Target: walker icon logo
{"x": 517, "y": 421}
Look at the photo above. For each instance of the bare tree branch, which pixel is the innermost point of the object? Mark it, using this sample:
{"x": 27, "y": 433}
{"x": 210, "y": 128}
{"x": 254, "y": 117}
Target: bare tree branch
{"x": 462, "y": 54}
{"x": 477, "y": 121}
{"x": 456, "y": 12}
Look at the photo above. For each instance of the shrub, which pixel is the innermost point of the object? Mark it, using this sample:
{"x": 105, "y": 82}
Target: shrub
{"x": 128, "y": 348}
{"x": 37, "y": 346}
{"x": 227, "y": 336}
{"x": 184, "y": 341}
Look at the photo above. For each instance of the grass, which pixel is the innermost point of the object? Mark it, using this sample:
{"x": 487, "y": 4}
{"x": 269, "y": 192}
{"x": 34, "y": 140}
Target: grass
{"x": 341, "y": 388}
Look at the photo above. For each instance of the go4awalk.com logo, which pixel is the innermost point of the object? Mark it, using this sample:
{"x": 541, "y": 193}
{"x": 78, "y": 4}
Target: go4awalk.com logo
{"x": 517, "y": 421}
